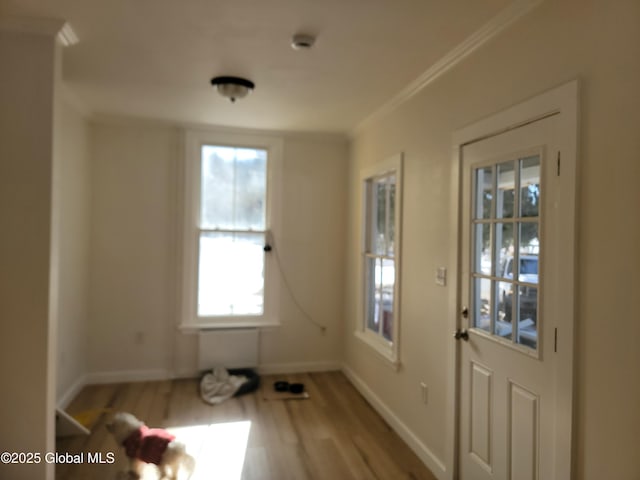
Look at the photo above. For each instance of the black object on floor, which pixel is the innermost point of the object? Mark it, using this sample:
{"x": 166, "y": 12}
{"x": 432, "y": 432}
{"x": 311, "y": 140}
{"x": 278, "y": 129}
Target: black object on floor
{"x": 252, "y": 383}
{"x": 296, "y": 388}
{"x": 281, "y": 386}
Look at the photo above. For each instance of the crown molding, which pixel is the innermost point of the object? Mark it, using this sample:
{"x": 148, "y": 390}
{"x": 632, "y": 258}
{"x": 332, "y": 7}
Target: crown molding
{"x": 54, "y": 27}
{"x": 115, "y": 119}
{"x": 34, "y": 25}
{"x": 488, "y": 31}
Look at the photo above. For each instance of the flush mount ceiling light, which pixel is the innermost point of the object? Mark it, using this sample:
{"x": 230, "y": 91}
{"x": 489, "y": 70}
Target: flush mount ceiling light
{"x": 233, "y": 87}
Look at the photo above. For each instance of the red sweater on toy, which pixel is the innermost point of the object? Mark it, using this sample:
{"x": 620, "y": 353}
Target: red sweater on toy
{"x": 147, "y": 444}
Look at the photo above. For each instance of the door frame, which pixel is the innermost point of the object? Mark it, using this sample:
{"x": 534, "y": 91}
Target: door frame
{"x": 564, "y": 100}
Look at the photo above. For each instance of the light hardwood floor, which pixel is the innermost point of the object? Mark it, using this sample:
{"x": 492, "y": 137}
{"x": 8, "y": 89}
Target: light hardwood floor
{"x": 334, "y": 435}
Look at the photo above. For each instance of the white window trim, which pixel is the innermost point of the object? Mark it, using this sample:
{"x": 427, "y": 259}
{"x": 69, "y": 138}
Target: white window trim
{"x": 388, "y": 351}
{"x": 190, "y": 196}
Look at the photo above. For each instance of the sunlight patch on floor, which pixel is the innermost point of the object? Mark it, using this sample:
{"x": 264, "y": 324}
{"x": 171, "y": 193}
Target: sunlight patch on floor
{"x": 219, "y": 449}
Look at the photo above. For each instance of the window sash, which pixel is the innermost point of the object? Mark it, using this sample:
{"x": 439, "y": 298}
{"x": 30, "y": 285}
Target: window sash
{"x": 233, "y": 283}
{"x": 381, "y": 240}
{"x": 380, "y": 295}
{"x": 233, "y": 187}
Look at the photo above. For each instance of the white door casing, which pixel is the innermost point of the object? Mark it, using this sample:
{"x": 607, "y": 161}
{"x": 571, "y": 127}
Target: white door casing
{"x": 512, "y": 404}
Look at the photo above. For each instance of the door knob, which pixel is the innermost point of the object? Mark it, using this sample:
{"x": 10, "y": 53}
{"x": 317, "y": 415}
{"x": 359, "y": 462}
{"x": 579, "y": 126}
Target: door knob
{"x": 465, "y": 312}
{"x": 461, "y": 334}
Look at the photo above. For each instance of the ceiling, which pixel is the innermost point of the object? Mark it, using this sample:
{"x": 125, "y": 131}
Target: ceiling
{"x": 154, "y": 58}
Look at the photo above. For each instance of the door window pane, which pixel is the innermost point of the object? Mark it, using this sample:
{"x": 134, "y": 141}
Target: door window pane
{"x": 528, "y": 316}
{"x": 530, "y": 186}
{"x": 482, "y": 303}
{"x": 506, "y": 190}
{"x": 231, "y": 274}
{"x": 505, "y": 249}
{"x": 529, "y": 252}
{"x": 529, "y": 238}
{"x": 504, "y": 295}
{"x": 482, "y": 252}
{"x": 484, "y": 193}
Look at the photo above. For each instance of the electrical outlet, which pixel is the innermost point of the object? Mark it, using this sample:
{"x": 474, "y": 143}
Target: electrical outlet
{"x": 441, "y": 276}
{"x": 424, "y": 391}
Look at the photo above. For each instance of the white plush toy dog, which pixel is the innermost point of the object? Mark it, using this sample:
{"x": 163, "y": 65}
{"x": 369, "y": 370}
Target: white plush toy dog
{"x": 150, "y": 445}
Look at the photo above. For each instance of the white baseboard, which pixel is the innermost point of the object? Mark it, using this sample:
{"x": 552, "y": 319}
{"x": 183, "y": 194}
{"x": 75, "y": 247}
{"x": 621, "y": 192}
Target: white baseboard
{"x": 65, "y": 399}
{"x": 436, "y": 465}
{"x": 302, "y": 367}
{"x": 184, "y": 373}
{"x": 275, "y": 369}
{"x": 124, "y": 376}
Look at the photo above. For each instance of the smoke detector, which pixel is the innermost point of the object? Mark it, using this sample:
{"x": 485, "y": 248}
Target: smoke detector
{"x": 302, "y": 41}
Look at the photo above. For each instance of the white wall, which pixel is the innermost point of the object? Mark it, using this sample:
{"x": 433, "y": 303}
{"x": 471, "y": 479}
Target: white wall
{"x": 72, "y": 197}
{"x": 132, "y": 284}
{"x": 27, "y": 323}
{"x": 135, "y": 226}
{"x": 599, "y": 43}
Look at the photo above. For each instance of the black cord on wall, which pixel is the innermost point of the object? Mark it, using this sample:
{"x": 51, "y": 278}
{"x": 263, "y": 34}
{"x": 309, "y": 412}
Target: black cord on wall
{"x": 269, "y": 248}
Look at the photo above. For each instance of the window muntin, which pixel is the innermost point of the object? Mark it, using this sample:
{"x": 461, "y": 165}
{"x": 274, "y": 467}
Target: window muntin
{"x": 506, "y": 236}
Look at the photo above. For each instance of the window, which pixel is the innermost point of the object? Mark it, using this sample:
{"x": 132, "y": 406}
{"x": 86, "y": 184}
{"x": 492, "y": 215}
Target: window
{"x": 506, "y": 232}
{"x": 228, "y": 207}
{"x": 380, "y": 257}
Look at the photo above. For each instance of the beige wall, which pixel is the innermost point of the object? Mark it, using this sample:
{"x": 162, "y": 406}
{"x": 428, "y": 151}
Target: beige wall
{"x": 72, "y": 198}
{"x": 27, "y": 324}
{"x": 599, "y": 43}
{"x": 133, "y": 262}
{"x": 131, "y": 295}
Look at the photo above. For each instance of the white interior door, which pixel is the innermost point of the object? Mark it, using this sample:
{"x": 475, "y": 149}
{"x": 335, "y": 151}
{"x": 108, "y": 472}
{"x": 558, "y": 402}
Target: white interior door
{"x": 512, "y": 294}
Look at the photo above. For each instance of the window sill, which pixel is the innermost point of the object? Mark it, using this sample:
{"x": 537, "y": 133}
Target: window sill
{"x": 199, "y": 327}
{"x": 382, "y": 350}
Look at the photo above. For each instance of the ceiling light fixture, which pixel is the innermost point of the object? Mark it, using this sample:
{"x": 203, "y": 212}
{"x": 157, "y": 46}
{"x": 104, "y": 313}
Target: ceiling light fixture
{"x": 233, "y": 87}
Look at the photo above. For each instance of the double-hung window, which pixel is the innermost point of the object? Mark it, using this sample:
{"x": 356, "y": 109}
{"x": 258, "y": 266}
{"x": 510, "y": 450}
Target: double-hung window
{"x": 381, "y": 257}
{"x": 228, "y": 207}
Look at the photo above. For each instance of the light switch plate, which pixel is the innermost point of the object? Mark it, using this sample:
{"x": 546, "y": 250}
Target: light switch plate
{"x": 441, "y": 276}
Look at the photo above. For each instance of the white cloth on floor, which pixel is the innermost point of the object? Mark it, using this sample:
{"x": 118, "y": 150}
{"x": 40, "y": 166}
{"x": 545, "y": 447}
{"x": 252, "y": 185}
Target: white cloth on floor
{"x": 218, "y": 385}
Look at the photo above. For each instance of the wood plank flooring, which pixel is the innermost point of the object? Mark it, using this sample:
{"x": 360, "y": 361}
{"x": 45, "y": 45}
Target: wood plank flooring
{"x": 333, "y": 435}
